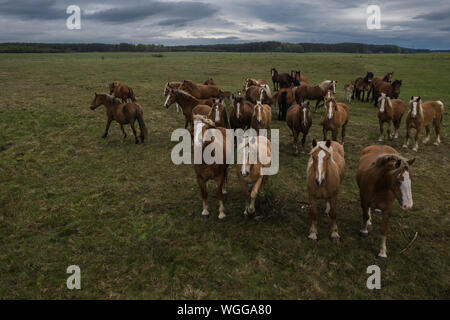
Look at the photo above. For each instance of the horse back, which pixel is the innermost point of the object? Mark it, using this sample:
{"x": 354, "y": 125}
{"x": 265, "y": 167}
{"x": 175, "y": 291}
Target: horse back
{"x": 368, "y": 156}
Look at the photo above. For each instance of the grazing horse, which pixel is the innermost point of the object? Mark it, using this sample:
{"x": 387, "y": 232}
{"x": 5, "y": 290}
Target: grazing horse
{"x": 241, "y": 114}
{"x": 249, "y": 174}
{"x": 324, "y": 175}
{"x": 382, "y": 176}
{"x": 280, "y": 80}
{"x": 200, "y": 91}
{"x": 299, "y": 119}
{"x": 217, "y": 170}
{"x": 390, "y": 111}
{"x": 318, "y": 92}
{"x": 422, "y": 115}
{"x": 298, "y": 77}
{"x": 187, "y": 103}
{"x": 392, "y": 90}
{"x": 209, "y": 82}
{"x": 363, "y": 85}
{"x": 349, "y": 89}
{"x": 262, "y": 116}
{"x": 336, "y": 117}
{"x": 123, "y": 113}
{"x": 123, "y": 92}
{"x": 219, "y": 115}
{"x": 284, "y": 98}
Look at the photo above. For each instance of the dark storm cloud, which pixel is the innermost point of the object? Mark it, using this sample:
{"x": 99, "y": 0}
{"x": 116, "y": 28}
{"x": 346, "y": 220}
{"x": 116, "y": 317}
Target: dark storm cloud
{"x": 435, "y": 15}
{"x": 32, "y": 10}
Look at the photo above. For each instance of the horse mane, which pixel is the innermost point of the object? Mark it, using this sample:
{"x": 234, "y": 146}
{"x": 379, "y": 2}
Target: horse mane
{"x": 324, "y": 85}
{"x": 205, "y": 120}
{"x": 266, "y": 89}
{"x": 395, "y": 83}
{"x": 420, "y": 105}
{"x": 322, "y": 145}
{"x": 110, "y": 98}
{"x": 383, "y": 159}
{"x": 186, "y": 94}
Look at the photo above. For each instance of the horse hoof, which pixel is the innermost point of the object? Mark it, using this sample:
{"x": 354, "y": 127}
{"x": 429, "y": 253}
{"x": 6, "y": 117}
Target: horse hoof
{"x": 405, "y": 146}
{"x": 222, "y": 216}
{"x": 382, "y": 257}
{"x": 335, "y": 239}
{"x": 415, "y": 149}
{"x": 312, "y": 237}
{"x": 205, "y": 213}
{"x": 436, "y": 143}
{"x": 363, "y": 234}
{"x": 103, "y": 137}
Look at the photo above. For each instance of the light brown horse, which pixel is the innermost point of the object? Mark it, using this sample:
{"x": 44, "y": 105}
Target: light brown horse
{"x": 219, "y": 115}
{"x": 392, "y": 90}
{"x": 123, "y": 113}
{"x": 284, "y": 98}
{"x": 249, "y": 174}
{"x": 363, "y": 85}
{"x": 318, "y": 92}
{"x": 259, "y": 93}
{"x": 324, "y": 175}
{"x": 390, "y": 111}
{"x": 299, "y": 119}
{"x": 382, "y": 176}
{"x": 241, "y": 114}
{"x": 335, "y": 118}
{"x": 422, "y": 115}
{"x": 262, "y": 116}
{"x": 123, "y": 92}
{"x": 254, "y": 82}
{"x": 187, "y": 103}
{"x": 218, "y": 169}
{"x": 200, "y": 91}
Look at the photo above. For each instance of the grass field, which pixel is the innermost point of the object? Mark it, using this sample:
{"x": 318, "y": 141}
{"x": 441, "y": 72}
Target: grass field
{"x": 132, "y": 220}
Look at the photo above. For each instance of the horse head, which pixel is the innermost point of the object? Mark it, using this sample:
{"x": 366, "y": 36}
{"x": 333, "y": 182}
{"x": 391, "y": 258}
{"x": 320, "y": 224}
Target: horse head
{"x": 321, "y": 155}
{"x": 415, "y": 105}
{"x": 396, "y": 88}
{"x": 172, "y": 96}
{"x": 331, "y": 106}
{"x": 112, "y": 86}
{"x": 382, "y": 100}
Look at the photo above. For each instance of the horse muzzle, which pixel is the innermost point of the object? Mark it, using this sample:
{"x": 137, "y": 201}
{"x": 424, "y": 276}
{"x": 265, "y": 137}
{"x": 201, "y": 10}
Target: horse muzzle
{"x": 92, "y": 107}
{"x": 320, "y": 182}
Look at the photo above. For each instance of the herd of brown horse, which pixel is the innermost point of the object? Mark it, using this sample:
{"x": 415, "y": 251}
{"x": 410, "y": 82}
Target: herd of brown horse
{"x": 383, "y": 175}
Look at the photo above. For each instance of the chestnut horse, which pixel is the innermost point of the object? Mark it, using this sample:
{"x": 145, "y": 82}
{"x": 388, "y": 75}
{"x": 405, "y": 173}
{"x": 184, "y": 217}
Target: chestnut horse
{"x": 318, "y": 92}
{"x": 299, "y": 119}
{"x": 218, "y": 169}
{"x": 284, "y": 98}
{"x": 241, "y": 114}
{"x": 261, "y": 92}
{"x": 123, "y": 92}
{"x": 299, "y": 77}
{"x": 382, "y": 176}
{"x": 392, "y": 90}
{"x": 376, "y": 82}
{"x": 123, "y": 113}
{"x": 254, "y": 82}
{"x": 250, "y": 174}
{"x": 335, "y": 118}
{"x": 200, "y": 91}
{"x": 280, "y": 80}
{"x": 422, "y": 115}
{"x": 262, "y": 116}
{"x": 363, "y": 85}
{"x": 391, "y": 111}
{"x": 219, "y": 115}
{"x": 324, "y": 175}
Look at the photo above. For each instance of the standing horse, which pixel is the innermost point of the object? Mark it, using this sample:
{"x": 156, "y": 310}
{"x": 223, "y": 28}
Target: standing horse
{"x": 349, "y": 89}
{"x": 299, "y": 119}
{"x": 262, "y": 116}
{"x": 200, "y": 91}
{"x": 336, "y": 117}
{"x": 241, "y": 114}
{"x": 254, "y": 82}
{"x": 298, "y": 76}
{"x": 218, "y": 169}
{"x": 382, "y": 176}
{"x": 280, "y": 80}
{"x": 259, "y": 93}
{"x": 363, "y": 85}
{"x": 284, "y": 98}
{"x": 123, "y": 113}
{"x": 305, "y": 91}
{"x": 376, "y": 82}
{"x": 391, "y": 111}
{"x": 219, "y": 115}
{"x": 250, "y": 174}
{"x": 422, "y": 115}
{"x": 392, "y": 90}
{"x": 324, "y": 175}
{"x": 123, "y": 92}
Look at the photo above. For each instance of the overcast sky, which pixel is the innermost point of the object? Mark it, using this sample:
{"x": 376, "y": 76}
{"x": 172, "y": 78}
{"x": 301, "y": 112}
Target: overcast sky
{"x": 407, "y": 23}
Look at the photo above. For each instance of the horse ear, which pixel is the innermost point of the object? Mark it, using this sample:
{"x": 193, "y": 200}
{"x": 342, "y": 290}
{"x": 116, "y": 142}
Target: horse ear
{"x": 314, "y": 143}
{"x": 411, "y": 161}
{"x": 328, "y": 143}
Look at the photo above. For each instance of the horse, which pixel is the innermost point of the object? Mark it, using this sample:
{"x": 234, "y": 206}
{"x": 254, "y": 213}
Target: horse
{"x": 123, "y": 92}
{"x": 318, "y": 92}
{"x": 241, "y": 114}
{"x": 261, "y": 117}
{"x": 254, "y": 82}
{"x": 187, "y": 103}
{"x": 392, "y": 90}
{"x": 422, "y": 115}
{"x": 280, "y": 80}
{"x": 123, "y": 113}
{"x": 336, "y": 117}
{"x": 382, "y": 176}
{"x": 218, "y": 114}
{"x": 299, "y": 119}
{"x": 298, "y": 77}
{"x": 217, "y": 170}
{"x": 324, "y": 175}
{"x": 349, "y": 89}
{"x": 209, "y": 82}
{"x": 391, "y": 111}
{"x": 261, "y": 93}
{"x": 200, "y": 91}
{"x": 249, "y": 174}
{"x": 363, "y": 85}
{"x": 284, "y": 98}
{"x": 377, "y": 80}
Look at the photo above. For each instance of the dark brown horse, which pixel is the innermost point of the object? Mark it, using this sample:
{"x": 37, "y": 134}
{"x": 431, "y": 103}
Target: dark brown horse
{"x": 123, "y": 92}
{"x": 280, "y": 80}
{"x": 241, "y": 114}
{"x": 123, "y": 113}
{"x": 299, "y": 119}
{"x": 306, "y": 92}
{"x": 285, "y": 98}
{"x": 363, "y": 85}
{"x": 298, "y": 77}
{"x": 392, "y": 90}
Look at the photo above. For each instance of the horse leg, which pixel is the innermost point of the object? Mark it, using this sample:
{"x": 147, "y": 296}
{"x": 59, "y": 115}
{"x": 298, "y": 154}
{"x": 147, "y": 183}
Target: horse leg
{"x": 427, "y": 138}
{"x": 384, "y": 227}
{"x": 220, "y": 183}
{"x": 313, "y": 212}
{"x": 123, "y": 131}
{"x": 389, "y": 130}
{"x": 325, "y": 131}
{"x": 246, "y": 194}
{"x": 364, "y": 232}
{"x": 368, "y": 94}
{"x": 396, "y": 127}
{"x": 344, "y": 126}
{"x": 334, "y": 134}
{"x": 363, "y": 92}
{"x": 317, "y": 105}
{"x": 332, "y": 214}
{"x": 437, "y": 130}
{"x": 416, "y": 139}
{"x": 295, "y": 135}
{"x": 303, "y": 141}
{"x": 202, "y": 185}
{"x": 405, "y": 145}
{"x": 134, "y": 132}
{"x": 254, "y": 194}
{"x": 108, "y": 123}
{"x": 381, "y": 131}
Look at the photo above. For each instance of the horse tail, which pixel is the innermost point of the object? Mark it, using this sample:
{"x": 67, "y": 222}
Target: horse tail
{"x": 131, "y": 93}
{"x": 142, "y": 126}
{"x": 284, "y": 104}
{"x": 442, "y": 109}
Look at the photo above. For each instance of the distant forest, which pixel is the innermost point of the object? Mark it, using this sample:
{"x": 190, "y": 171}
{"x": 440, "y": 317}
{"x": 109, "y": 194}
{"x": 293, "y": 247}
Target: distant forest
{"x": 269, "y": 46}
